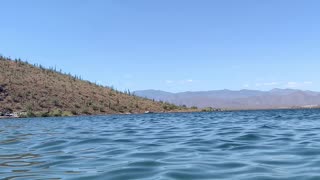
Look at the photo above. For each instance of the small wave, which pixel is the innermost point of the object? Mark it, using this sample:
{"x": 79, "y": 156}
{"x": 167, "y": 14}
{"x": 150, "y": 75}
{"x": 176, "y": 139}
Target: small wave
{"x": 228, "y": 145}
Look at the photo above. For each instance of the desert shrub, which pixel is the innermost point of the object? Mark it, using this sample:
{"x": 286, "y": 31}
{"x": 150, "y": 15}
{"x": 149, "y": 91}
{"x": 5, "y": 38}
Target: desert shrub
{"x": 55, "y": 102}
{"x": 169, "y": 107}
{"x": 102, "y": 109}
{"x": 77, "y": 106}
{"x": 67, "y": 113}
{"x": 74, "y": 112}
{"x": 42, "y": 114}
{"x": 95, "y": 107}
{"x": 56, "y": 113}
{"x": 30, "y": 114}
{"x": 207, "y": 109}
{"x": 85, "y": 111}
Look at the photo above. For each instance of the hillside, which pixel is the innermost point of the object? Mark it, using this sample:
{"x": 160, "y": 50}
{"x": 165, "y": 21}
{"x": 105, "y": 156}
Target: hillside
{"x": 38, "y": 91}
{"x": 243, "y": 99}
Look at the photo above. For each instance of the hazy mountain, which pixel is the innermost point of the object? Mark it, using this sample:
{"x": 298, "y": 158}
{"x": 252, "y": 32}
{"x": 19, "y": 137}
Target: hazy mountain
{"x": 243, "y": 99}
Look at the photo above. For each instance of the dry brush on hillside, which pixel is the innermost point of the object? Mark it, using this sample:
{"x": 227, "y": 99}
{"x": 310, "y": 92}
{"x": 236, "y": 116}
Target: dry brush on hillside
{"x": 41, "y": 91}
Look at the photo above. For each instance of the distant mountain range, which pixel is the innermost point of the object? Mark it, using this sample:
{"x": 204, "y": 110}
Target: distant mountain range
{"x": 242, "y": 99}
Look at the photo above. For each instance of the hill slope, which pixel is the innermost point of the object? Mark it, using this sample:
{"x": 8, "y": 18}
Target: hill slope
{"x": 243, "y": 99}
{"x": 46, "y": 92}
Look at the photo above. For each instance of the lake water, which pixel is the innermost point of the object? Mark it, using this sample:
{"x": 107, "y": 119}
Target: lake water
{"x": 283, "y": 144}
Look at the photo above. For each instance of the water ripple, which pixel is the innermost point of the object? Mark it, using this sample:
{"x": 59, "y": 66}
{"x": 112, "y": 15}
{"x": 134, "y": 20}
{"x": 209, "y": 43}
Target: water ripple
{"x": 281, "y": 144}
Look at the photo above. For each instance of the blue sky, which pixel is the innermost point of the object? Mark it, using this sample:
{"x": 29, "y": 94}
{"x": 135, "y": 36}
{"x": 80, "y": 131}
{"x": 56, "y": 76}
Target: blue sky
{"x": 172, "y": 45}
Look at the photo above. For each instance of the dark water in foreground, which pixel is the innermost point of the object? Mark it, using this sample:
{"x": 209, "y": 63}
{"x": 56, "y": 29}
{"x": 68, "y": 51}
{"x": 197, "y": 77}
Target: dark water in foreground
{"x": 224, "y": 145}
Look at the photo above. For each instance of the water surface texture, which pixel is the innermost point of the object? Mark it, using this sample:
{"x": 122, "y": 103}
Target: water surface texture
{"x": 283, "y": 144}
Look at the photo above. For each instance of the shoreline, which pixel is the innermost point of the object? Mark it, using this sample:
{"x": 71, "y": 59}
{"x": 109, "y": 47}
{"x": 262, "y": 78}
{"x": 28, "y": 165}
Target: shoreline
{"x": 81, "y": 115}
{"x": 169, "y": 112}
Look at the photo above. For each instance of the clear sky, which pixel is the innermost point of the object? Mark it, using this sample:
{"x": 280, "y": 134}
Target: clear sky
{"x": 172, "y": 45}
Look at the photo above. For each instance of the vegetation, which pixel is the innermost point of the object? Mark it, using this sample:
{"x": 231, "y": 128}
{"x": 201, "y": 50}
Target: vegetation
{"x": 194, "y": 107}
{"x": 33, "y": 90}
{"x": 209, "y": 109}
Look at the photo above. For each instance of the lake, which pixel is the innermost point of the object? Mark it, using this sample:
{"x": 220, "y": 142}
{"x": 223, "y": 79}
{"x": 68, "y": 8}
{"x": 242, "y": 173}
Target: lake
{"x": 278, "y": 144}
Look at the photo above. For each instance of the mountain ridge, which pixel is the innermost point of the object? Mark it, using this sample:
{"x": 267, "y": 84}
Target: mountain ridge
{"x": 238, "y": 99}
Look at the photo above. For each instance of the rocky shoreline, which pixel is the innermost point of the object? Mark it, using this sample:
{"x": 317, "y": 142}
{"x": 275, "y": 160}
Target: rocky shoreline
{"x": 9, "y": 115}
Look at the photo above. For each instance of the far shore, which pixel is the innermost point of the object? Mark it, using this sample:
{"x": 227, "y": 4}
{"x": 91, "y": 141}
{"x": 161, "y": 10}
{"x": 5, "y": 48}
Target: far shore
{"x": 169, "y": 112}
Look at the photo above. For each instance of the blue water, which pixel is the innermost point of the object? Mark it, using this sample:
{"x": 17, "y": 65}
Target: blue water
{"x": 283, "y": 144}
